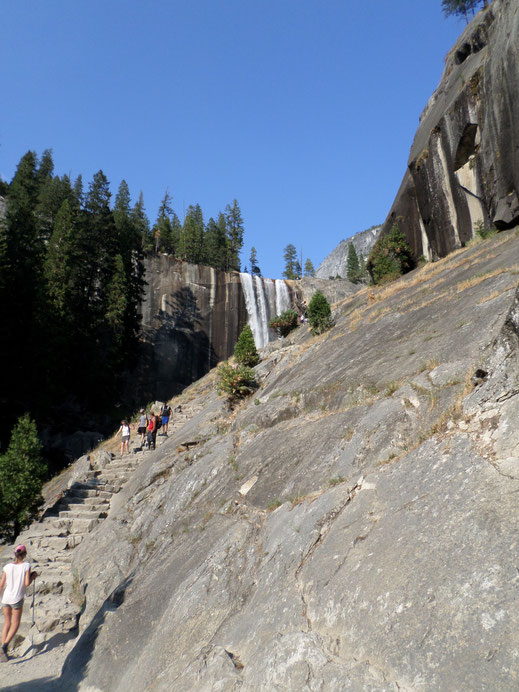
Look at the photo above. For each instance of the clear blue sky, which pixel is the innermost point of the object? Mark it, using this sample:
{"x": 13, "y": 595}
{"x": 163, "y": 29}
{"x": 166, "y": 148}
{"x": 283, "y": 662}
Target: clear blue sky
{"x": 303, "y": 110}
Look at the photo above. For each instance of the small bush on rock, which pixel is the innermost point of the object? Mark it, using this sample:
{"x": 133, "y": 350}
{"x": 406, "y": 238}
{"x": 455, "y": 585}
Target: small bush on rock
{"x": 483, "y": 232}
{"x": 391, "y": 256}
{"x": 236, "y": 381}
{"x": 245, "y": 350}
{"x": 285, "y": 322}
{"x": 319, "y": 313}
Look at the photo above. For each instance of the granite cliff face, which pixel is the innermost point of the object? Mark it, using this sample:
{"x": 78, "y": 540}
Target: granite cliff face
{"x": 336, "y": 263}
{"x": 463, "y": 167}
{"x": 192, "y": 316}
{"x": 352, "y": 526}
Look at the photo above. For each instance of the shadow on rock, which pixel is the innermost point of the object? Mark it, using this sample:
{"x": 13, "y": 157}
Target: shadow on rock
{"x": 42, "y": 685}
{"x": 76, "y": 662}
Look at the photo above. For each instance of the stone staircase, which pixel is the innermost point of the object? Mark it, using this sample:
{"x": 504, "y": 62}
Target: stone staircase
{"x": 57, "y": 594}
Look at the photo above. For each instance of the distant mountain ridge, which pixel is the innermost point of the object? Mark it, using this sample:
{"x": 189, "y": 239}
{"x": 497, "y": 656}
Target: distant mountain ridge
{"x": 336, "y": 263}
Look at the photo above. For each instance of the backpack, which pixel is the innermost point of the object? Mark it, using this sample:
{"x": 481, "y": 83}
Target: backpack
{"x": 166, "y": 411}
{"x": 158, "y": 422}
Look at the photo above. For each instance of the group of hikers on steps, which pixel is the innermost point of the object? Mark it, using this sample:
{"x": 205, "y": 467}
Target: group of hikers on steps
{"x": 148, "y": 428}
{"x": 17, "y": 575}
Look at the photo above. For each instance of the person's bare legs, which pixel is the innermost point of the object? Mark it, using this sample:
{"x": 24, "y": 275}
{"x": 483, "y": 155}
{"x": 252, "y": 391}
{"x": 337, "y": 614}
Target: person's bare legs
{"x": 16, "y": 616}
{"x": 7, "y": 623}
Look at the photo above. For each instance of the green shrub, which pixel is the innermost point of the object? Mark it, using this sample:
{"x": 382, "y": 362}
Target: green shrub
{"x": 390, "y": 257}
{"x": 285, "y": 322}
{"x": 22, "y": 472}
{"x": 319, "y": 313}
{"x": 483, "y": 231}
{"x": 245, "y": 350}
{"x": 236, "y": 381}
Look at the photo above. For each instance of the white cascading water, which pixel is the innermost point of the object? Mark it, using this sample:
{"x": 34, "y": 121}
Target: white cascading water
{"x": 264, "y": 298}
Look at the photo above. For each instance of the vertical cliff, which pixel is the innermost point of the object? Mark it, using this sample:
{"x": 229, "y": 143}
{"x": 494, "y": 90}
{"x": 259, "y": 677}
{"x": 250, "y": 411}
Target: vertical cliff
{"x": 191, "y": 317}
{"x": 463, "y": 168}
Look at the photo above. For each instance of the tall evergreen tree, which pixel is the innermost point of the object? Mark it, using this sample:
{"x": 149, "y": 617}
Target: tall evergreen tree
{"x": 215, "y": 243}
{"x": 253, "y": 261}
{"x": 235, "y": 231}
{"x": 192, "y": 236}
{"x": 309, "y": 268}
{"x": 164, "y": 239}
{"x": 291, "y": 263}
{"x": 59, "y": 267}
{"x": 352, "y": 264}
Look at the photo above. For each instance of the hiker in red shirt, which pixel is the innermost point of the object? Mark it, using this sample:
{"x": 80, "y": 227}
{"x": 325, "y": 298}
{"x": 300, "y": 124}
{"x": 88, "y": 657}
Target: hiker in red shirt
{"x": 152, "y": 431}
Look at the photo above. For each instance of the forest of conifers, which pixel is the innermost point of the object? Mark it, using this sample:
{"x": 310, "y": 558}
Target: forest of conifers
{"x": 71, "y": 284}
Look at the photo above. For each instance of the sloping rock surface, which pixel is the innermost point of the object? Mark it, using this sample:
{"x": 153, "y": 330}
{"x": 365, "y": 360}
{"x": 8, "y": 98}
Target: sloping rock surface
{"x": 352, "y": 526}
{"x": 463, "y": 168}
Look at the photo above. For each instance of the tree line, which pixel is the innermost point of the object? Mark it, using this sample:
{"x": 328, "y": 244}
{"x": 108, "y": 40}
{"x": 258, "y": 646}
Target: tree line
{"x": 71, "y": 286}
{"x": 216, "y": 243}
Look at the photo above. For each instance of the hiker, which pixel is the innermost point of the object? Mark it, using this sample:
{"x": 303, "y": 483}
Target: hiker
{"x": 125, "y": 441}
{"x": 16, "y": 577}
{"x": 165, "y": 414}
{"x": 152, "y": 430}
{"x": 143, "y": 424}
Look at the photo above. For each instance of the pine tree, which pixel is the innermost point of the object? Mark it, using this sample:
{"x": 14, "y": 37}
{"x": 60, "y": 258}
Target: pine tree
{"x": 291, "y": 263}
{"x": 319, "y": 313}
{"x": 22, "y": 473}
{"x": 59, "y": 266}
{"x": 192, "y": 236}
{"x": 234, "y": 222}
{"x": 141, "y": 223}
{"x": 215, "y": 243}
{"x": 309, "y": 268}
{"x": 390, "y": 257}
{"x": 117, "y": 304}
{"x": 353, "y": 266}
{"x": 253, "y": 261}
{"x": 245, "y": 350}
{"x": 165, "y": 241}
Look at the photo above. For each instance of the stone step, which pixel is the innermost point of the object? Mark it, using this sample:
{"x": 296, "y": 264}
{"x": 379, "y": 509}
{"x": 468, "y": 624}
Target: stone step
{"x": 49, "y": 544}
{"x": 94, "y": 484}
{"x": 100, "y": 505}
{"x": 78, "y": 525}
{"x": 116, "y": 476}
{"x": 85, "y": 513}
{"x": 87, "y": 492}
{"x": 38, "y": 531}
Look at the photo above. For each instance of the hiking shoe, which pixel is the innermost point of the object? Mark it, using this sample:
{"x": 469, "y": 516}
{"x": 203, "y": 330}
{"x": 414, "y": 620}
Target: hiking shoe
{"x": 3, "y": 656}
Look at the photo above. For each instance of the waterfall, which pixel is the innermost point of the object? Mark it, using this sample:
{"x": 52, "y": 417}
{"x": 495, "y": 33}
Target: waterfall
{"x": 264, "y": 298}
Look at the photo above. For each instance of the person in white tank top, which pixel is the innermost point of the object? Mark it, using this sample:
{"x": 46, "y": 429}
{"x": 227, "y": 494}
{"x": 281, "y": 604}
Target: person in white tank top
{"x": 124, "y": 430}
{"x": 16, "y": 577}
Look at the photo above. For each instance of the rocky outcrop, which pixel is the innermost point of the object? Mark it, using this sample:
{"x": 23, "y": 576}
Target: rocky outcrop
{"x": 463, "y": 168}
{"x": 353, "y": 525}
{"x": 336, "y": 263}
